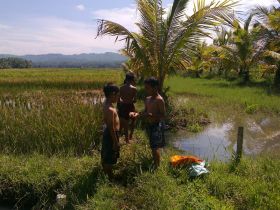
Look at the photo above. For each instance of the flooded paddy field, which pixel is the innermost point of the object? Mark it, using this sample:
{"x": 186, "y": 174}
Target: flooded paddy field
{"x": 217, "y": 141}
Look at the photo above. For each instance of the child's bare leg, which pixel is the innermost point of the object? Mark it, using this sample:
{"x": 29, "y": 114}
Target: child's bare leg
{"x": 156, "y": 157}
{"x": 121, "y": 126}
{"x": 108, "y": 170}
{"x": 132, "y": 126}
{"x": 125, "y": 126}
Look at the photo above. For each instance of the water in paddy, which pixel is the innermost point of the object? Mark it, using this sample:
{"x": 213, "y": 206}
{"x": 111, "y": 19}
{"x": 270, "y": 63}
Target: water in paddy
{"x": 218, "y": 140}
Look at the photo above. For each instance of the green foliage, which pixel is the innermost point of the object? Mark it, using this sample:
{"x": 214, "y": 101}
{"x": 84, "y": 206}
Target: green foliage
{"x": 251, "y": 109}
{"x": 195, "y": 128}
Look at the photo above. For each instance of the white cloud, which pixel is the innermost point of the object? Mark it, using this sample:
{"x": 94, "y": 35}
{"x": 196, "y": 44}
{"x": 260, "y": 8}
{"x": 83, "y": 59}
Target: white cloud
{"x": 3, "y": 26}
{"x": 81, "y": 7}
{"x": 54, "y": 35}
{"x": 126, "y": 16}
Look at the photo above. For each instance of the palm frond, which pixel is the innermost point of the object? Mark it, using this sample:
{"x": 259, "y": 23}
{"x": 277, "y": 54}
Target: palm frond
{"x": 205, "y": 17}
{"x": 248, "y": 22}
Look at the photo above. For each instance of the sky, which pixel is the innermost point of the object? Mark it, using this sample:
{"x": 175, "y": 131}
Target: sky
{"x": 69, "y": 26}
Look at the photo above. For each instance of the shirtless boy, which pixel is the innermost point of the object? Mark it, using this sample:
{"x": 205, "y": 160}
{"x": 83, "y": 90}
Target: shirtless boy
{"x": 126, "y": 106}
{"x": 154, "y": 115}
{"x": 110, "y": 144}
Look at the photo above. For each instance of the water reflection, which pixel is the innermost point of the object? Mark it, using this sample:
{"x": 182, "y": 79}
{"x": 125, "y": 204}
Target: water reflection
{"x": 218, "y": 140}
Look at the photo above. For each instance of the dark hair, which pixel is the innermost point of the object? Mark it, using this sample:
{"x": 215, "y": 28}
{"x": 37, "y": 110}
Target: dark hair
{"x": 152, "y": 81}
{"x": 129, "y": 77}
{"x": 110, "y": 89}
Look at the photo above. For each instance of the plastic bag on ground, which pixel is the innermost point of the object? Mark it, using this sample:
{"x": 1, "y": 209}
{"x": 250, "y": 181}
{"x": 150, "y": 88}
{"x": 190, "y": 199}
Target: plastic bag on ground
{"x": 198, "y": 169}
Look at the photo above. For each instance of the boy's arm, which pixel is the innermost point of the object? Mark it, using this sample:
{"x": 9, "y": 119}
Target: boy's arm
{"x": 162, "y": 109}
{"x": 112, "y": 129}
{"x": 135, "y": 96}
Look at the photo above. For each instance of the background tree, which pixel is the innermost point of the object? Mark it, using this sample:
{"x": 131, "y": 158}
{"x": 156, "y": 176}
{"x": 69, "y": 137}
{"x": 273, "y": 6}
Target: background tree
{"x": 15, "y": 63}
{"x": 244, "y": 52}
{"x": 167, "y": 42}
{"x": 270, "y": 31}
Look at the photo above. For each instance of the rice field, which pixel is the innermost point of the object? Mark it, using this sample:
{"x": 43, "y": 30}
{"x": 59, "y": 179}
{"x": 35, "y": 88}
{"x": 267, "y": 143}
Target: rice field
{"x": 50, "y": 130}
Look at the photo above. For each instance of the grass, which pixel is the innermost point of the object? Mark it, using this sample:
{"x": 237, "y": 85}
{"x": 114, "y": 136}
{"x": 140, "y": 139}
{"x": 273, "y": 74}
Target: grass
{"x": 50, "y": 134}
{"x": 50, "y": 125}
{"x": 220, "y": 93}
{"x": 246, "y": 186}
{"x": 34, "y": 181}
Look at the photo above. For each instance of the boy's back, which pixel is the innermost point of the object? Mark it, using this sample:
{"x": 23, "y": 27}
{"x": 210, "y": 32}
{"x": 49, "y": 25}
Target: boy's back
{"x": 128, "y": 94}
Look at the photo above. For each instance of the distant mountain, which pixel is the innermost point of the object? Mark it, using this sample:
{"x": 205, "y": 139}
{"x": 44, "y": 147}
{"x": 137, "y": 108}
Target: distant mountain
{"x": 108, "y": 59}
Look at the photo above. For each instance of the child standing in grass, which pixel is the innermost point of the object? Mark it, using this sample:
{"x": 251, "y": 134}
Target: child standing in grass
{"x": 110, "y": 144}
{"x": 126, "y": 106}
{"x": 154, "y": 114}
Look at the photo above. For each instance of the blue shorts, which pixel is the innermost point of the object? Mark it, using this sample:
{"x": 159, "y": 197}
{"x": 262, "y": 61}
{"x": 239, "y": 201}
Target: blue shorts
{"x": 156, "y": 135}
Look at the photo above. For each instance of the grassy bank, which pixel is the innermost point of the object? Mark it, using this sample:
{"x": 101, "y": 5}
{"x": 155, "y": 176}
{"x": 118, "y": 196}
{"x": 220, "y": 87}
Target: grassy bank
{"x": 254, "y": 184}
{"x": 35, "y": 180}
{"x": 247, "y": 186}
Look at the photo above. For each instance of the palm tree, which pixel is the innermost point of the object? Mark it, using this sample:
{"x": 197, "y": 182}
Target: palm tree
{"x": 166, "y": 41}
{"x": 244, "y": 52}
{"x": 221, "y": 58}
{"x": 270, "y": 31}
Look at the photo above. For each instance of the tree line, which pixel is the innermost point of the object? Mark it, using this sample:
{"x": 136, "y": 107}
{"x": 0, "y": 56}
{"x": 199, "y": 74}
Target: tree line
{"x": 14, "y": 63}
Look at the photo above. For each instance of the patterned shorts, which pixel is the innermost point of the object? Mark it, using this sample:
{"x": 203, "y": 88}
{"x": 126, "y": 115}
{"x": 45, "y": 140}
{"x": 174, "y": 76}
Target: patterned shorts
{"x": 156, "y": 135}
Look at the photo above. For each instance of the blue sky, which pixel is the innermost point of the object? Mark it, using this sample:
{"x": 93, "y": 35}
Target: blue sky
{"x": 67, "y": 26}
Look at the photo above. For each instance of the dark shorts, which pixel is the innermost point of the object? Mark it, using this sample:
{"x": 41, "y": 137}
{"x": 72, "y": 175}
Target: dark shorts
{"x": 108, "y": 155}
{"x": 124, "y": 110}
{"x": 156, "y": 135}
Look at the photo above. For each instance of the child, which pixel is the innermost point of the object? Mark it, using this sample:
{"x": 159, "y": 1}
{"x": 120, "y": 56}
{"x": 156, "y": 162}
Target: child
{"x": 110, "y": 145}
{"x": 154, "y": 115}
{"x": 126, "y": 105}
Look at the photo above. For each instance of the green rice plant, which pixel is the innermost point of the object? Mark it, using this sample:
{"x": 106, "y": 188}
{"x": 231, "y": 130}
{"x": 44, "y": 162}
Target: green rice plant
{"x": 50, "y": 125}
{"x": 43, "y": 79}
